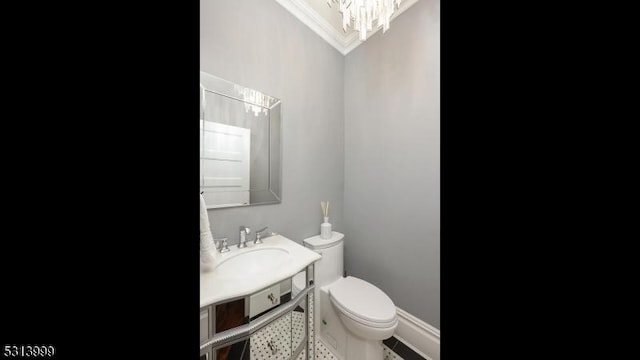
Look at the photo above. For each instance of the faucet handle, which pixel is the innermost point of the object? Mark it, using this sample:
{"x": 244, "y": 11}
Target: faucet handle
{"x": 222, "y": 246}
{"x": 259, "y": 235}
{"x": 218, "y": 242}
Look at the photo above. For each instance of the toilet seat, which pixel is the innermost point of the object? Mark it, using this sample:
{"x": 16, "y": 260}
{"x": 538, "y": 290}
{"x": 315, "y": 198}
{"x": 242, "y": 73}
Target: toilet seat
{"x": 363, "y": 302}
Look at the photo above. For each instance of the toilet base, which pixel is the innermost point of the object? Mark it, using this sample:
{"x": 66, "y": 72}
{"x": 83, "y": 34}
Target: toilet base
{"x": 338, "y": 339}
{"x": 364, "y": 349}
{"x": 354, "y": 348}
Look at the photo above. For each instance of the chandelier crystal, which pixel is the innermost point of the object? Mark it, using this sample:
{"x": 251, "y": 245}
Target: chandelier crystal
{"x": 364, "y": 12}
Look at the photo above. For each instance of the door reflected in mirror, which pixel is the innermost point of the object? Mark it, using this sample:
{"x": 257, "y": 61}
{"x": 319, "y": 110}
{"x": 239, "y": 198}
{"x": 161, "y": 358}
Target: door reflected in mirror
{"x": 240, "y": 152}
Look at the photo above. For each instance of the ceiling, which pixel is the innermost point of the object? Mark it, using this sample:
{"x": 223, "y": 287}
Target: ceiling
{"x": 327, "y": 21}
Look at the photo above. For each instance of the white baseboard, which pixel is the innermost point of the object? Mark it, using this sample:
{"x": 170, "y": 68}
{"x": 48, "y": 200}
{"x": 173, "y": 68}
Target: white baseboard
{"x": 421, "y": 337}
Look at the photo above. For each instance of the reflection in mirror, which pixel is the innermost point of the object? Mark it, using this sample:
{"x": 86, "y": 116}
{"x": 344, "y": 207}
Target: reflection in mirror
{"x": 302, "y": 317}
{"x": 240, "y": 151}
{"x": 236, "y": 351}
{"x": 299, "y": 318}
{"x": 273, "y": 341}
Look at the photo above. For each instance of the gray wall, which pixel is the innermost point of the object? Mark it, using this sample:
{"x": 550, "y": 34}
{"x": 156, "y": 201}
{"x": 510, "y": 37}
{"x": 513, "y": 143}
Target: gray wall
{"x": 260, "y": 45}
{"x": 392, "y": 161}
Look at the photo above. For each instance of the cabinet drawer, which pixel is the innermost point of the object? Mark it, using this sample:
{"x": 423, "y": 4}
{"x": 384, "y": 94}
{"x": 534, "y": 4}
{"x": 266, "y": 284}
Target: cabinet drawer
{"x": 204, "y": 325}
{"x": 264, "y": 300}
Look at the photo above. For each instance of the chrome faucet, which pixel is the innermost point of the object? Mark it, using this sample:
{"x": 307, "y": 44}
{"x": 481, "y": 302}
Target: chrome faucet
{"x": 259, "y": 235}
{"x": 244, "y": 231}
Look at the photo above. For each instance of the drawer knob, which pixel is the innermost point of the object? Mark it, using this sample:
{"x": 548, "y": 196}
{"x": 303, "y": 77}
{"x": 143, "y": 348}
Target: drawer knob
{"x": 272, "y": 298}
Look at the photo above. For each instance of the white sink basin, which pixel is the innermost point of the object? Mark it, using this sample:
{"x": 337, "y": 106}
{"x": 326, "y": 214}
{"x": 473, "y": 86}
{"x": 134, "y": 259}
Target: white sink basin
{"x": 242, "y": 272}
{"x": 253, "y": 262}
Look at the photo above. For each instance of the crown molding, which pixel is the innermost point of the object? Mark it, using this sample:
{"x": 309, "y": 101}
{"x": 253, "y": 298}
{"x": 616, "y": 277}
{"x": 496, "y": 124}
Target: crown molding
{"x": 301, "y": 10}
{"x": 341, "y": 42}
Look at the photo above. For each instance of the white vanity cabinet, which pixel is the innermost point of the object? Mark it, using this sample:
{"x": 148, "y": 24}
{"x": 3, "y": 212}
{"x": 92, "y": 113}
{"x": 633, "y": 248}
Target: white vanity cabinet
{"x": 267, "y": 324}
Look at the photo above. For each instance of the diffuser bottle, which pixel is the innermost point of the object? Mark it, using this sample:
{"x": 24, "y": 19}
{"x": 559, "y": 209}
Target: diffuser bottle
{"x": 325, "y": 229}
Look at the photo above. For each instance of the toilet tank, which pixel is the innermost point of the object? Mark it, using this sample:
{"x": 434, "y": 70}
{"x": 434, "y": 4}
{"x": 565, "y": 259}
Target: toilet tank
{"x": 331, "y": 266}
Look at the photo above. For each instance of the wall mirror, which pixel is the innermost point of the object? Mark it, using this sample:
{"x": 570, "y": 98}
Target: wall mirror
{"x": 240, "y": 152}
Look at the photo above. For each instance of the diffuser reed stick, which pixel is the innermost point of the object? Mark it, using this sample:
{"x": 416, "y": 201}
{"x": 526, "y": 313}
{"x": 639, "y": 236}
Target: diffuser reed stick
{"x": 325, "y": 208}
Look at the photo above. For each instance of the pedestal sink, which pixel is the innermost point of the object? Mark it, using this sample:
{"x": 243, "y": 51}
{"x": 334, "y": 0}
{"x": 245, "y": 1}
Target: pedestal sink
{"x": 253, "y": 262}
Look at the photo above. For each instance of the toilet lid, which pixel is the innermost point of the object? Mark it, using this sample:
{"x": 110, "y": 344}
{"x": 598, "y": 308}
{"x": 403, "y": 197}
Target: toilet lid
{"x": 361, "y": 300}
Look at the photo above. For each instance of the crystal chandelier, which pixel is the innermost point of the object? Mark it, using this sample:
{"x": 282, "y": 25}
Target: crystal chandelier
{"x": 253, "y": 100}
{"x": 363, "y": 12}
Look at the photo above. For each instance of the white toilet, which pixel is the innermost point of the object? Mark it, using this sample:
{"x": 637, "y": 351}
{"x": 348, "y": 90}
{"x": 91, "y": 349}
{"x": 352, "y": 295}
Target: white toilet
{"x": 351, "y": 315}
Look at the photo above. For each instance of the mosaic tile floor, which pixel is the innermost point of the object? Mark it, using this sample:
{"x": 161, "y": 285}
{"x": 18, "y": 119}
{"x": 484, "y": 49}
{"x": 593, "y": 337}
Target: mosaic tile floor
{"x": 389, "y": 354}
{"x": 322, "y": 353}
{"x": 276, "y": 334}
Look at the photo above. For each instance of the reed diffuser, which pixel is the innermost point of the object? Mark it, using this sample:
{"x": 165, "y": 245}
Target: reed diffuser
{"x": 325, "y": 227}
